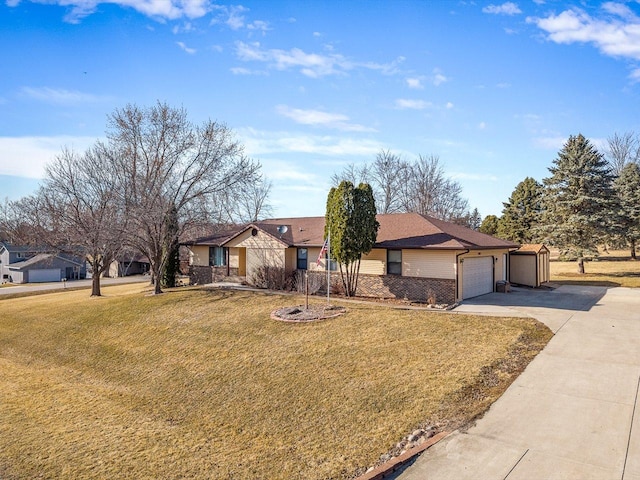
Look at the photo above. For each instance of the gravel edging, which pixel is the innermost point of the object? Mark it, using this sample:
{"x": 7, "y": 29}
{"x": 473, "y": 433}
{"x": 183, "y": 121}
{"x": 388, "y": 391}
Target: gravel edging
{"x": 398, "y": 462}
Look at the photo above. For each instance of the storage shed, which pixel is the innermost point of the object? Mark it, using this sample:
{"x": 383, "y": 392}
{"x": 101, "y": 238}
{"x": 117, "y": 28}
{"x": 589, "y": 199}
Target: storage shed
{"x": 529, "y": 265}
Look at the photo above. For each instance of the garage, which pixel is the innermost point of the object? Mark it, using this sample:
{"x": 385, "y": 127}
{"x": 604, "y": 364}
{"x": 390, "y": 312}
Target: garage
{"x": 44, "y": 275}
{"x": 477, "y": 276}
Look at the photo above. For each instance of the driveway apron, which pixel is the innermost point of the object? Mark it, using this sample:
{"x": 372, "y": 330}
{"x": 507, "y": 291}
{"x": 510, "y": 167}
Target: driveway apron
{"x": 574, "y": 412}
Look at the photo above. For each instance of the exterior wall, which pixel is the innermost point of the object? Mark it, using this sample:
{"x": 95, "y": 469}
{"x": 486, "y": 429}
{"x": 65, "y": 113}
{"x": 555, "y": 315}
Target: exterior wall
{"x": 544, "y": 271}
{"x": 429, "y": 264}
{"x": 530, "y": 269}
{"x": 291, "y": 259}
{"x": 261, "y": 257}
{"x": 375, "y": 262}
{"x": 199, "y": 255}
{"x": 201, "y": 275}
{"x": 395, "y": 286}
{"x": 523, "y": 270}
{"x": 234, "y": 257}
{"x": 498, "y": 255}
{"x": 17, "y": 276}
{"x": 312, "y": 257}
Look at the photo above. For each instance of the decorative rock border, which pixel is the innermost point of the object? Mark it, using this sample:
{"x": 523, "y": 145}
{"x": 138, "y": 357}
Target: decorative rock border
{"x": 300, "y": 314}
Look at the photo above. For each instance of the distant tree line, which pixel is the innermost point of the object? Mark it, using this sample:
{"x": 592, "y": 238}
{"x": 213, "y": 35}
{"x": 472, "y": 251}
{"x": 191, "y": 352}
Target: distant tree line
{"x": 589, "y": 199}
{"x": 155, "y": 177}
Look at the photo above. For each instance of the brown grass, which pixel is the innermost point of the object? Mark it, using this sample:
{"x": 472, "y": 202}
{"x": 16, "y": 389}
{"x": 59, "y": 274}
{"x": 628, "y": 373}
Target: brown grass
{"x": 611, "y": 269}
{"x": 202, "y": 384}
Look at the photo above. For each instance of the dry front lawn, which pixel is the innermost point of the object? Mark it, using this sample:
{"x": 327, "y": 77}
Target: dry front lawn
{"x": 203, "y": 384}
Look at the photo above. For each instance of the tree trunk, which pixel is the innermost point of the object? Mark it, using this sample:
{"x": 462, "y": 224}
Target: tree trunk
{"x": 633, "y": 249}
{"x": 581, "y": 265}
{"x": 156, "y": 284}
{"x": 95, "y": 284}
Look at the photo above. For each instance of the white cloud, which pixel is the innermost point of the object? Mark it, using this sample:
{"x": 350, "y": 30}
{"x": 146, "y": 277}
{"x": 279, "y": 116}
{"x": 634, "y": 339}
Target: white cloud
{"x": 449, "y": 106}
{"x": 232, "y": 16}
{"x": 507, "y": 8}
{"x": 319, "y": 118}
{"x": 616, "y": 34}
{"x": 265, "y": 142}
{"x": 27, "y": 156}
{"x": 259, "y": 25}
{"x": 415, "y": 82}
{"x": 60, "y": 96}
{"x": 161, "y": 9}
{"x": 411, "y": 104}
{"x": 312, "y": 65}
{"x": 246, "y": 71}
{"x": 188, "y": 50}
{"x": 503, "y": 85}
{"x": 482, "y": 126}
{"x": 634, "y": 76}
{"x": 438, "y": 77}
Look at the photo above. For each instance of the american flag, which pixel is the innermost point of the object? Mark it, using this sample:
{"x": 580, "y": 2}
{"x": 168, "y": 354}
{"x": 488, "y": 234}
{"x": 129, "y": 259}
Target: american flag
{"x": 323, "y": 252}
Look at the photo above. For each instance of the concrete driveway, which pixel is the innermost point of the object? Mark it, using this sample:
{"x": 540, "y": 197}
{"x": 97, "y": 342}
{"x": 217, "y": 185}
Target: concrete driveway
{"x": 573, "y": 413}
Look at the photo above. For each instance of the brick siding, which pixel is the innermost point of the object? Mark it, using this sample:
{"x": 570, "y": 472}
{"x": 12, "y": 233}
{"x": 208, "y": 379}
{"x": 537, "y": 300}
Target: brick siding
{"x": 417, "y": 289}
{"x": 201, "y": 275}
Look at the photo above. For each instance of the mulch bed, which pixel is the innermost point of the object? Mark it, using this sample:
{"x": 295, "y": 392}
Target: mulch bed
{"x": 313, "y": 313}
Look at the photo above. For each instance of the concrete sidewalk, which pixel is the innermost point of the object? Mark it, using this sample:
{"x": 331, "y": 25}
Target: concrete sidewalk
{"x": 573, "y": 413}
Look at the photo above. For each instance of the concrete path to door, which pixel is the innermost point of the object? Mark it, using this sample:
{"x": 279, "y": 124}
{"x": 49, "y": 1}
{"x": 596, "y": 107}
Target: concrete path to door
{"x": 574, "y": 413}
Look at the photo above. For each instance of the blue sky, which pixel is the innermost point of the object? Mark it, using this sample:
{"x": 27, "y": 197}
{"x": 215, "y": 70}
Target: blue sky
{"x": 493, "y": 89}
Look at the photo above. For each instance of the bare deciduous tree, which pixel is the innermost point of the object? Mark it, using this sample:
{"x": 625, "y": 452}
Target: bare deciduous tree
{"x": 248, "y": 202}
{"x": 402, "y": 186}
{"x": 388, "y": 172}
{"x": 166, "y": 162}
{"x": 79, "y": 200}
{"x": 622, "y": 149}
{"x": 428, "y": 191}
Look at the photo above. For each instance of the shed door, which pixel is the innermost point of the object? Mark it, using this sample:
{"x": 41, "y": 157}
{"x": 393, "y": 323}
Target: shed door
{"x": 44, "y": 275}
{"x": 477, "y": 276}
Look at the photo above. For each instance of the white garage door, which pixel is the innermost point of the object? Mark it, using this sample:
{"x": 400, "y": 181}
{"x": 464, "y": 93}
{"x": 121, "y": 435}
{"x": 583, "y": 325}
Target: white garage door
{"x": 477, "y": 276}
{"x": 44, "y": 275}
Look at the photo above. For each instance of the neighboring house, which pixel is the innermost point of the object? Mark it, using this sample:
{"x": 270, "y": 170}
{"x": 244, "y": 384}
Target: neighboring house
{"x": 20, "y": 264}
{"x": 529, "y": 265}
{"x": 129, "y": 264}
{"x": 415, "y": 256}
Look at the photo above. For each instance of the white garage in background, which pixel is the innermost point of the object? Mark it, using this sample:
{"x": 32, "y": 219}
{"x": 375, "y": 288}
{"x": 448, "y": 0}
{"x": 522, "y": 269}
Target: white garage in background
{"x": 477, "y": 276}
{"x": 44, "y": 275}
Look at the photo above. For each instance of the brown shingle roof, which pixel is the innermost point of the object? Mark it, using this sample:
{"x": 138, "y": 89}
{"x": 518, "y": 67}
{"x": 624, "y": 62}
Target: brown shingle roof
{"x": 397, "y": 230}
{"x": 532, "y": 248}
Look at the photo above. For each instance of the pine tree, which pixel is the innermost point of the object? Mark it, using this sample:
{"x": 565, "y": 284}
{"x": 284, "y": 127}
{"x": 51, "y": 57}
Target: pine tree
{"x": 578, "y": 201}
{"x": 489, "y": 225}
{"x": 521, "y": 213}
{"x": 353, "y": 228}
{"x": 627, "y": 187}
{"x": 172, "y": 265}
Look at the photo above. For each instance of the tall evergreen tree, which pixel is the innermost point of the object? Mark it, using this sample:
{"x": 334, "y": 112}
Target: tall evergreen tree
{"x": 352, "y": 227}
{"x": 489, "y": 225}
{"x": 521, "y": 213}
{"x": 627, "y": 186}
{"x": 172, "y": 266}
{"x": 578, "y": 201}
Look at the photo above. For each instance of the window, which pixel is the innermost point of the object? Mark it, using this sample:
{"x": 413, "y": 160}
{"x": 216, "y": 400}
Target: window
{"x": 394, "y": 262}
{"x": 217, "y": 256}
{"x": 302, "y": 259}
